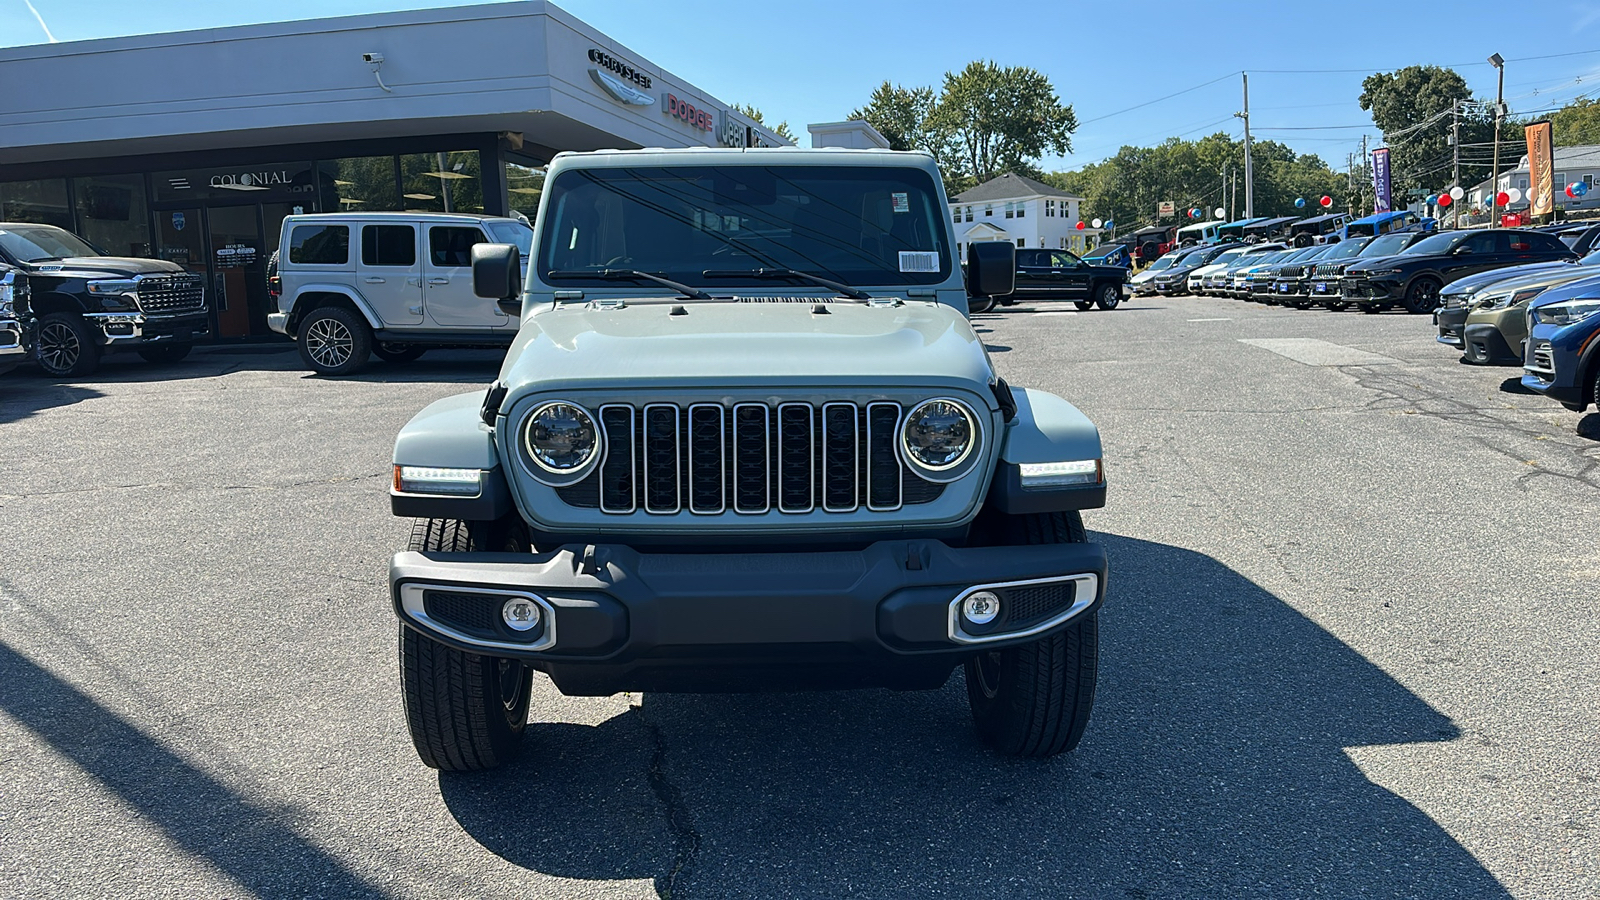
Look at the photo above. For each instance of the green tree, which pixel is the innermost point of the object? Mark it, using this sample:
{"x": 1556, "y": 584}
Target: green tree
{"x": 1001, "y": 120}
{"x": 1576, "y": 123}
{"x": 1412, "y": 106}
{"x": 781, "y": 129}
{"x": 901, "y": 115}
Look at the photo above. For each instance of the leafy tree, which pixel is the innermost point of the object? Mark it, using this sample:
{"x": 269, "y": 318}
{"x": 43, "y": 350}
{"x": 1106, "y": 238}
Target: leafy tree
{"x": 1001, "y": 119}
{"x": 901, "y": 115}
{"x": 1412, "y": 108}
{"x": 781, "y": 129}
{"x": 1577, "y": 123}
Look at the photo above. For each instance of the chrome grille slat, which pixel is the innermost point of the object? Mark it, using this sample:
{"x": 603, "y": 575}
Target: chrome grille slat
{"x": 175, "y": 293}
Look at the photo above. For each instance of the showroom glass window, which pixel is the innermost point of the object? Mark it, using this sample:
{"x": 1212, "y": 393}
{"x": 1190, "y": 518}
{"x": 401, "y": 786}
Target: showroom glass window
{"x": 524, "y": 186}
{"x": 447, "y": 181}
{"x": 112, "y": 214}
{"x": 357, "y": 184}
{"x": 43, "y": 202}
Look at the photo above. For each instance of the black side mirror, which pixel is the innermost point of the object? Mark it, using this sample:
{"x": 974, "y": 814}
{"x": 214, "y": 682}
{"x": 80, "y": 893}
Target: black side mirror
{"x": 1462, "y": 250}
{"x": 991, "y": 268}
{"x": 497, "y": 275}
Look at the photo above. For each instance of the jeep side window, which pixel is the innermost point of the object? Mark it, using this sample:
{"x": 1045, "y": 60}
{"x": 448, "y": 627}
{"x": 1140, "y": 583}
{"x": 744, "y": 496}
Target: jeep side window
{"x": 320, "y": 245}
{"x": 451, "y": 245}
{"x": 388, "y": 245}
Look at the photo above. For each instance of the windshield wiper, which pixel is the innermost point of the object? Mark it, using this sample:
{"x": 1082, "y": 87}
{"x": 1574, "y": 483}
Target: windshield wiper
{"x": 693, "y": 293}
{"x": 843, "y": 289}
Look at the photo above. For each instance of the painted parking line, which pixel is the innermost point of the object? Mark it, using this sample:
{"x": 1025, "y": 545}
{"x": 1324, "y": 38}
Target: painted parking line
{"x": 1313, "y": 352}
{"x": 1223, "y": 319}
{"x": 1056, "y": 312}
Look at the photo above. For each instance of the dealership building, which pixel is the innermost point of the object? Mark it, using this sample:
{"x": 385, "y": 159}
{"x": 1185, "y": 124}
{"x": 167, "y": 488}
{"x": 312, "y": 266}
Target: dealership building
{"x": 193, "y": 146}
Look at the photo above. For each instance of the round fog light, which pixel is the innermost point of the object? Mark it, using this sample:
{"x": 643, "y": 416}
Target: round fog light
{"x": 520, "y": 614}
{"x": 981, "y": 607}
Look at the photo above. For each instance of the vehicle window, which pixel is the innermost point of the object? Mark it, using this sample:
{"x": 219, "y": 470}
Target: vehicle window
{"x": 451, "y": 245}
{"x": 1033, "y": 258}
{"x": 33, "y": 243}
{"x": 1488, "y": 242}
{"x": 388, "y": 245}
{"x": 1388, "y": 245}
{"x": 1347, "y": 249}
{"x": 1544, "y": 243}
{"x": 319, "y": 245}
{"x": 856, "y": 224}
{"x": 512, "y": 233}
{"x": 1438, "y": 243}
{"x": 1592, "y": 259}
{"x": 1064, "y": 260}
{"x": 1229, "y": 256}
{"x": 1164, "y": 262}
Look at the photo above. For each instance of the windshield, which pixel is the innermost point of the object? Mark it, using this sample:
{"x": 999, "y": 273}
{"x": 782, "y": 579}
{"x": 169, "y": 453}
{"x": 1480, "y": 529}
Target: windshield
{"x": 1388, "y": 245}
{"x": 1165, "y": 262}
{"x": 36, "y": 243}
{"x": 1229, "y": 256}
{"x": 1346, "y": 249}
{"x": 512, "y": 233}
{"x": 868, "y": 225}
{"x": 1438, "y": 243}
{"x": 1593, "y": 259}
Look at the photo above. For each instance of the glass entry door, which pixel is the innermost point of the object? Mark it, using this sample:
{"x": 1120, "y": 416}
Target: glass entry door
{"x": 239, "y": 270}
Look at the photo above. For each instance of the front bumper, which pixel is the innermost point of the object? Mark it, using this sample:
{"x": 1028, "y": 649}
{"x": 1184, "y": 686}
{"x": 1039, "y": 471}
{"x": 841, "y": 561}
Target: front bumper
{"x": 132, "y": 328}
{"x": 279, "y": 322}
{"x": 1287, "y": 288}
{"x": 616, "y": 619}
{"x": 1550, "y": 369}
{"x": 1452, "y": 320}
{"x": 1370, "y": 290}
{"x": 11, "y": 347}
{"x": 1485, "y": 345}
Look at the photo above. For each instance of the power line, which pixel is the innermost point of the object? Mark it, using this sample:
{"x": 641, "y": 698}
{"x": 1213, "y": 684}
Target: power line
{"x": 1158, "y": 99}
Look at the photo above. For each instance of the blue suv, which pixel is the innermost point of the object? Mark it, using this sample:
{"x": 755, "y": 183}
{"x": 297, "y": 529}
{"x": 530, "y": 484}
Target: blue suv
{"x": 1562, "y": 359}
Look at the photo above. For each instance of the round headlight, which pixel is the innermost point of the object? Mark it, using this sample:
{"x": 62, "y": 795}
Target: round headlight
{"x": 561, "y": 437}
{"x": 938, "y": 435}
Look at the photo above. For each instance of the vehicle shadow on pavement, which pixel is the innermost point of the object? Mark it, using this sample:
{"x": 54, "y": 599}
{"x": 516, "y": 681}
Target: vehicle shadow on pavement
{"x": 256, "y": 846}
{"x": 21, "y": 398}
{"x": 1215, "y": 765}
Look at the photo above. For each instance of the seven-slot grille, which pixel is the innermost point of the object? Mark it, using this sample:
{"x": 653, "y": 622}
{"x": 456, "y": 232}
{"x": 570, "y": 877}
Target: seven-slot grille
{"x": 750, "y": 458}
{"x": 170, "y": 293}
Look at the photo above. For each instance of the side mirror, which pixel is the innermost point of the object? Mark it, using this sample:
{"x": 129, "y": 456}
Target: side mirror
{"x": 991, "y": 268}
{"x": 497, "y": 275}
{"x": 1462, "y": 250}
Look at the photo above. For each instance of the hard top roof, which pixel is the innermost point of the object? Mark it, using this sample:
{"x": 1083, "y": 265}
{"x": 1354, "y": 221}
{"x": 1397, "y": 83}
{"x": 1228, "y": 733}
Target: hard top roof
{"x": 1266, "y": 224}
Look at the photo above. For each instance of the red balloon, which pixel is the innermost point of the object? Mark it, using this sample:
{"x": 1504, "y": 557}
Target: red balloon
{"x": 1445, "y": 200}
{"x": 1569, "y": 192}
{"x": 1080, "y": 226}
{"x": 1502, "y": 198}
{"x": 1326, "y": 201}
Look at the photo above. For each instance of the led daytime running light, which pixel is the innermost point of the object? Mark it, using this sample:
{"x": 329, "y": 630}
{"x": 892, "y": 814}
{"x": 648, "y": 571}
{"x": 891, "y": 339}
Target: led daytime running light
{"x": 1060, "y": 474}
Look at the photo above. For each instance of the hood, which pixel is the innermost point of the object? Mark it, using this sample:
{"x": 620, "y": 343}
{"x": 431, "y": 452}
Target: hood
{"x": 1482, "y": 280}
{"x": 1547, "y": 277}
{"x": 97, "y": 266}
{"x": 726, "y": 344}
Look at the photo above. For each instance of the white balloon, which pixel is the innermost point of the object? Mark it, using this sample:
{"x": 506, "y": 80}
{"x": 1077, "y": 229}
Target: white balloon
{"x": 1096, "y": 223}
{"x": 1515, "y": 194}
{"x": 1456, "y": 193}
{"x": 1221, "y": 212}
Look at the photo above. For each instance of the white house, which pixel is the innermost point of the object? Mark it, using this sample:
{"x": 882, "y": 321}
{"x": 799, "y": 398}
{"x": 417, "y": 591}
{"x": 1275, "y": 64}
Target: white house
{"x": 1018, "y": 209}
{"x": 1572, "y": 164}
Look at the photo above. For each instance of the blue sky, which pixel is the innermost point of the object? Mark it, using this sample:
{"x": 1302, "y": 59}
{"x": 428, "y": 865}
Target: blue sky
{"x": 818, "y": 60}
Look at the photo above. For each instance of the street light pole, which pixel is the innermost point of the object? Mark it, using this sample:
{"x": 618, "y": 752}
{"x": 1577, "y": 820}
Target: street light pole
{"x": 1249, "y": 170}
{"x": 1499, "y": 104}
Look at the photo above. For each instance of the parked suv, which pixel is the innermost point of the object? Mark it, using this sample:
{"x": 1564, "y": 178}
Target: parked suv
{"x": 1563, "y": 356}
{"x": 746, "y": 439}
{"x": 84, "y": 303}
{"x": 354, "y": 285}
{"x": 13, "y": 305}
{"x": 1414, "y": 278}
{"x": 1059, "y": 275}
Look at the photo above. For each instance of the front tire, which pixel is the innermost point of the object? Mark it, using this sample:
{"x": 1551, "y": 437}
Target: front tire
{"x": 66, "y": 346}
{"x": 335, "y": 341}
{"x": 465, "y": 712}
{"x": 165, "y": 353}
{"x": 1110, "y": 297}
{"x": 1083, "y": 305}
{"x": 1423, "y": 295}
{"x": 1034, "y": 700}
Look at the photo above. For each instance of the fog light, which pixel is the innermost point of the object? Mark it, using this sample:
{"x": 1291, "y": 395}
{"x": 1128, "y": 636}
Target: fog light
{"x": 520, "y": 614}
{"x": 981, "y": 607}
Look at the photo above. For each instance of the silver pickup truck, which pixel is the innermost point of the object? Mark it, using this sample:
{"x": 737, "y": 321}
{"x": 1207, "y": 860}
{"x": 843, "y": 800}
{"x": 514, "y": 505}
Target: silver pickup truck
{"x": 745, "y": 439}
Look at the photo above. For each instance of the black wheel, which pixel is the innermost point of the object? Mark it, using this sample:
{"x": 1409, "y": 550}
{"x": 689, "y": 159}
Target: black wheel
{"x": 976, "y": 305}
{"x": 1594, "y": 388}
{"x": 1083, "y": 305}
{"x": 165, "y": 353}
{"x": 465, "y": 712}
{"x": 1423, "y": 294}
{"x": 1034, "y": 699}
{"x": 66, "y": 346}
{"x": 335, "y": 341}
{"x": 1109, "y": 296}
{"x": 397, "y": 353}
{"x": 1336, "y": 305}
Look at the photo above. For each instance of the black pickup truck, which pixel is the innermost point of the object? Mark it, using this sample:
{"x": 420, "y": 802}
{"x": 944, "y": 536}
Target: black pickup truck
{"x": 84, "y": 304}
{"x": 1060, "y": 275}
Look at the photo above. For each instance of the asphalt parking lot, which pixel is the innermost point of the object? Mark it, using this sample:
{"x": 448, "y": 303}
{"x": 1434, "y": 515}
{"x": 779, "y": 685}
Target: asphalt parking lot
{"x": 1349, "y": 650}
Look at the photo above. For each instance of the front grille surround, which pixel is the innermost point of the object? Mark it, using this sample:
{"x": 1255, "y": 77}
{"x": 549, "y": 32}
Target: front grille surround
{"x": 170, "y": 293}
{"x": 801, "y": 459}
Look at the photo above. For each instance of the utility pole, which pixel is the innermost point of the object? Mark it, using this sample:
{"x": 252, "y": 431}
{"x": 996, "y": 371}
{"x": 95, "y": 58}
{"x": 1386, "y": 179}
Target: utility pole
{"x": 1364, "y": 160}
{"x": 1455, "y": 138}
{"x": 1224, "y": 193}
{"x": 1249, "y": 170}
{"x": 1233, "y": 205}
{"x": 1499, "y": 105}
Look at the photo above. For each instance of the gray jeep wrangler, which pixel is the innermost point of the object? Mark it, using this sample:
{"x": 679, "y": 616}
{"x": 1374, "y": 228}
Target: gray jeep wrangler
{"x": 745, "y": 439}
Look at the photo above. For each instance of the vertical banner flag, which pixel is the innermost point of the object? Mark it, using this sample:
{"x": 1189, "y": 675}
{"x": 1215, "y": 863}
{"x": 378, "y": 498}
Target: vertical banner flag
{"x": 1380, "y": 179}
{"x": 1541, "y": 170}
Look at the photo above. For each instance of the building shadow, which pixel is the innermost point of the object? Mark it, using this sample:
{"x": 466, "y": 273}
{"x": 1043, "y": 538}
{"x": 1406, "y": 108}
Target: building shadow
{"x": 254, "y": 845}
{"x": 24, "y": 397}
{"x": 1214, "y": 766}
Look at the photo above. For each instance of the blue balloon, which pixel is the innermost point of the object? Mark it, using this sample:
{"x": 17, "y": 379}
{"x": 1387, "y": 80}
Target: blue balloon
{"x": 1433, "y": 199}
{"x": 1110, "y": 224}
{"x": 1580, "y": 188}
{"x": 1299, "y": 203}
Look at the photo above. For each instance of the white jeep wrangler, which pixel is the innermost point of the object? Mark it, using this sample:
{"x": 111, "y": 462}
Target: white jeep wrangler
{"x": 354, "y": 285}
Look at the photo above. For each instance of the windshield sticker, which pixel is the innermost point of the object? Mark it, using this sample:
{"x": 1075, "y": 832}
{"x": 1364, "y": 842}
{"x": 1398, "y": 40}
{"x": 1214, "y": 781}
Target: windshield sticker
{"x": 919, "y": 260}
{"x": 902, "y": 204}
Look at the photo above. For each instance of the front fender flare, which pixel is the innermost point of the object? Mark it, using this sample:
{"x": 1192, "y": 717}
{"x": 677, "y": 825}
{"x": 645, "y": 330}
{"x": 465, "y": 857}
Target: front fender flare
{"x": 1045, "y": 429}
{"x": 450, "y": 434}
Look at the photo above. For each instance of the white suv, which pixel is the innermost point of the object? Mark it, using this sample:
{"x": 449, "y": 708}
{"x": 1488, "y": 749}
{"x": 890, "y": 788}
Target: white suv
{"x": 352, "y": 285}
